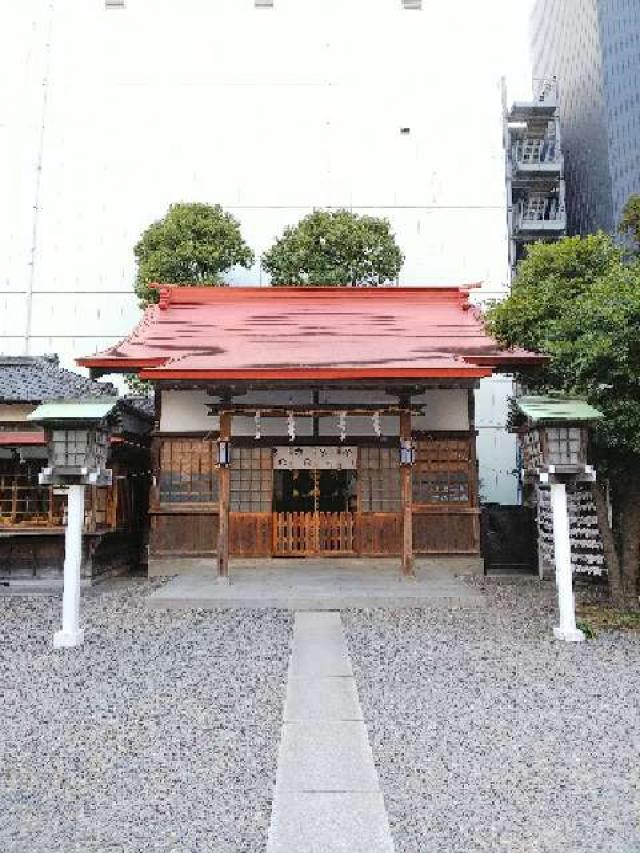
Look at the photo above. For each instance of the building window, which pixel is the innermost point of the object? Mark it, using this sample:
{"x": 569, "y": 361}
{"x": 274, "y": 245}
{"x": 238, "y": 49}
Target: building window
{"x": 188, "y": 472}
{"x": 251, "y": 479}
{"x": 442, "y": 473}
{"x": 379, "y": 475}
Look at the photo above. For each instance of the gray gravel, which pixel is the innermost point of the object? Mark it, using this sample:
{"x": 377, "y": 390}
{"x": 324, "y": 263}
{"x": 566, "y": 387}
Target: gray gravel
{"x": 490, "y": 736}
{"x": 160, "y": 734}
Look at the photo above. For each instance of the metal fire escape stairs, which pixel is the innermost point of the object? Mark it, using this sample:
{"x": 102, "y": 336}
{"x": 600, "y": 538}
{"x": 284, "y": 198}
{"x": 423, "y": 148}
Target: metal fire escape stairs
{"x": 534, "y": 171}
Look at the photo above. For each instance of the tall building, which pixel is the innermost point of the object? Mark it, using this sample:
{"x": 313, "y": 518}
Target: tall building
{"x": 118, "y": 108}
{"x": 592, "y": 47}
{"x": 534, "y": 170}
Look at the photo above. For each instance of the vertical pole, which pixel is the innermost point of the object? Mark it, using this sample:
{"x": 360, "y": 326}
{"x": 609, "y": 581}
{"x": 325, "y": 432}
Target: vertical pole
{"x": 567, "y": 629}
{"x": 225, "y": 486}
{"x": 71, "y": 633}
{"x": 14, "y": 500}
{"x": 407, "y": 497}
{"x": 474, "y": 476}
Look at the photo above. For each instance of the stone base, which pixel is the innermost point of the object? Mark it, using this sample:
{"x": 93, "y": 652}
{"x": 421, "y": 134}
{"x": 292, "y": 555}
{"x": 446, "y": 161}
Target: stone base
{"x": 162, "y": 567}
{"x": 68, "y": 639}
{"x": 208, "y": 566}
{"x": 568, "y": 636}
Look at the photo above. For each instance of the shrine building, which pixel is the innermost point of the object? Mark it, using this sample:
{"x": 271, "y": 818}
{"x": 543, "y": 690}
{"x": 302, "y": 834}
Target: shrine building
{"x": 314, "y": 421}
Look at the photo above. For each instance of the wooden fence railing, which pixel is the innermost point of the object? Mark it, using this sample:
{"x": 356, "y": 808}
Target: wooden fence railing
{"x": 308, "y": 533}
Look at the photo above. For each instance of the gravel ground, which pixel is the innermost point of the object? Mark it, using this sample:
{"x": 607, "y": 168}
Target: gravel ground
{"x": 490, "y": 736}
{"x": 159, "y": 734}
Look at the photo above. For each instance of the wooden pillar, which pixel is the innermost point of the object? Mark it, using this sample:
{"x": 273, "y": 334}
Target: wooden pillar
{"x": 14, "y": 500}
{"x": 407, "y": 498}
{"x": 474, "y": 476}
{"x": 225, "y": 488}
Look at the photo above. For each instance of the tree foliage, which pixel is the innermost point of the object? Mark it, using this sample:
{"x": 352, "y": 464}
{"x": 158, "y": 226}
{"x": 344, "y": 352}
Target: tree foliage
{"x": 191, "y": 244}
{"x": 337, "y": 248}
{"x": 578, "y": 300}
{"x": 138, "y": 387}
{"x": 630, "y": 220}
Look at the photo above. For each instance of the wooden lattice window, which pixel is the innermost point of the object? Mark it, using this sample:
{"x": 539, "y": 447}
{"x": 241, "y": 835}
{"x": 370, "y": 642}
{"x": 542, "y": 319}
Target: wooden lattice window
{"x": 23, "y": 501}
{"x": 564, "y": 445}
{"x": 379, "y": 474}
{"x": 442, "y": 471}
{"x": 251, "y": 479}
{"x": 188, "y": 472}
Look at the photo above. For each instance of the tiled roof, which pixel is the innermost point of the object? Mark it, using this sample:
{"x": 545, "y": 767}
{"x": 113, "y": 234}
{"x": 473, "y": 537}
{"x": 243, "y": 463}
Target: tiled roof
{"x": 32, "y": 379}
{"x": 205, "y": 333}
{"x": 143, "y": 405}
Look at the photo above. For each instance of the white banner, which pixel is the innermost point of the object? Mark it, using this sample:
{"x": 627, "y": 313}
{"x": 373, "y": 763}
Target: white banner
{"x": 332, "y": 458}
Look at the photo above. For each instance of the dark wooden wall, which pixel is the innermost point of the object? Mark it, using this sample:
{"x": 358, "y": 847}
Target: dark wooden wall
{"x": 446, "y": 516}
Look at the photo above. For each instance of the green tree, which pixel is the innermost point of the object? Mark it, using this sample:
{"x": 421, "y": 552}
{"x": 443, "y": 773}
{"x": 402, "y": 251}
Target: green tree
{"x": 191, "y": 244}
{"x": 335, "y": 249}
{"x": 579, "y": 302}
{"x": 630, "y": 221}
{"x": 138, "y": 387}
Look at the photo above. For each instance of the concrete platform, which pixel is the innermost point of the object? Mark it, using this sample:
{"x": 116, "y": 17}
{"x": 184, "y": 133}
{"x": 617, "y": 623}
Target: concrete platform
{"x": 321, "y": 585}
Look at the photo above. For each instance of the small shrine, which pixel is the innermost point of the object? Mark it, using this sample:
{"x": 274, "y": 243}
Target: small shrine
{"x": 34, "y": 509}
{"x": 311, "y": 422}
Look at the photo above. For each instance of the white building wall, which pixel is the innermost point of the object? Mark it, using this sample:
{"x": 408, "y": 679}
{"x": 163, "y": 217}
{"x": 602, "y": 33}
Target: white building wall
{"x": 496, "y": 448}
{"x": 186, "y": 411}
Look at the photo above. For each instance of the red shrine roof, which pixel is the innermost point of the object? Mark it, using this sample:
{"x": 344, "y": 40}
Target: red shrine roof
{"x": 319, "y": 333}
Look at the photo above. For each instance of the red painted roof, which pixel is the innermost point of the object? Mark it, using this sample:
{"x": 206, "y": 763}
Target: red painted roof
{"x": 20, "y": 439}
{"x": 309, "y": 333}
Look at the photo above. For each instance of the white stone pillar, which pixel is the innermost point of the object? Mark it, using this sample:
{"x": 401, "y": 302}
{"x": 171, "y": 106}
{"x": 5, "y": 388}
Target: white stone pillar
{"x": 567, "y": 629}
{"x": 71, "y": 633}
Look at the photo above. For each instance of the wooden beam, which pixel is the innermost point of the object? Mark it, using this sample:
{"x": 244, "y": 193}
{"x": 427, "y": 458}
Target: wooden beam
{"x": 225, "y": 487}
{"x": 407, "y": 496}
{"x": 315, "y": 410}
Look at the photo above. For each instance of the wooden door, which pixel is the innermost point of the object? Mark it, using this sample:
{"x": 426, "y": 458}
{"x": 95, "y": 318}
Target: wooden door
{"x": 313, "y": 513}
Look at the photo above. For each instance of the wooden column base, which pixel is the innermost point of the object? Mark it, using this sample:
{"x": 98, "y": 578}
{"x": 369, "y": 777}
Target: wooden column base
{"x": 408, "y": 569}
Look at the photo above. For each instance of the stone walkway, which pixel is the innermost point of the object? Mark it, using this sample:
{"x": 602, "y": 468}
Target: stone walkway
{"x": 327, "y": 797}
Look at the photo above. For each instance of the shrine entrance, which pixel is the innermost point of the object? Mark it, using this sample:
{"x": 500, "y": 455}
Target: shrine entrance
{"x": 314, "y": 509}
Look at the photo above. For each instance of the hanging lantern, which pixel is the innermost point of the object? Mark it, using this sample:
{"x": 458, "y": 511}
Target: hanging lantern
{"x": 375, "y": 420}
{"x": 258, "y": 423}
{"x": 224, "y": 453}
{"x": 407, "y": 453}
{"x": 342, "y": 423}
{"x": 291, "y": 426}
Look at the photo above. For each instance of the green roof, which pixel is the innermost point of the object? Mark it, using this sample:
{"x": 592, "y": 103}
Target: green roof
{"x": 90, "y": 410}
{"x": 557, "y": 408}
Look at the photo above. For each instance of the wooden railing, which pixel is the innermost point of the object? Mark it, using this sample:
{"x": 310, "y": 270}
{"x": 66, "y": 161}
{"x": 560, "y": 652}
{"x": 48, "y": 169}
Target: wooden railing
{"x": 307, "y": 533}
{"x": 24, "y": 503}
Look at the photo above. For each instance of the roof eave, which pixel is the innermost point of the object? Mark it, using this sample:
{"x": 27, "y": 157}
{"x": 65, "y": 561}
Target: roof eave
{"x": 346, "y": 373}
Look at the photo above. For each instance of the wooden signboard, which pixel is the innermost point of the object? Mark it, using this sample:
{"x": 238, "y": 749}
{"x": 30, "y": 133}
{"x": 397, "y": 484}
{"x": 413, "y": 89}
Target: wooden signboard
{"x": 315, "y": 458}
